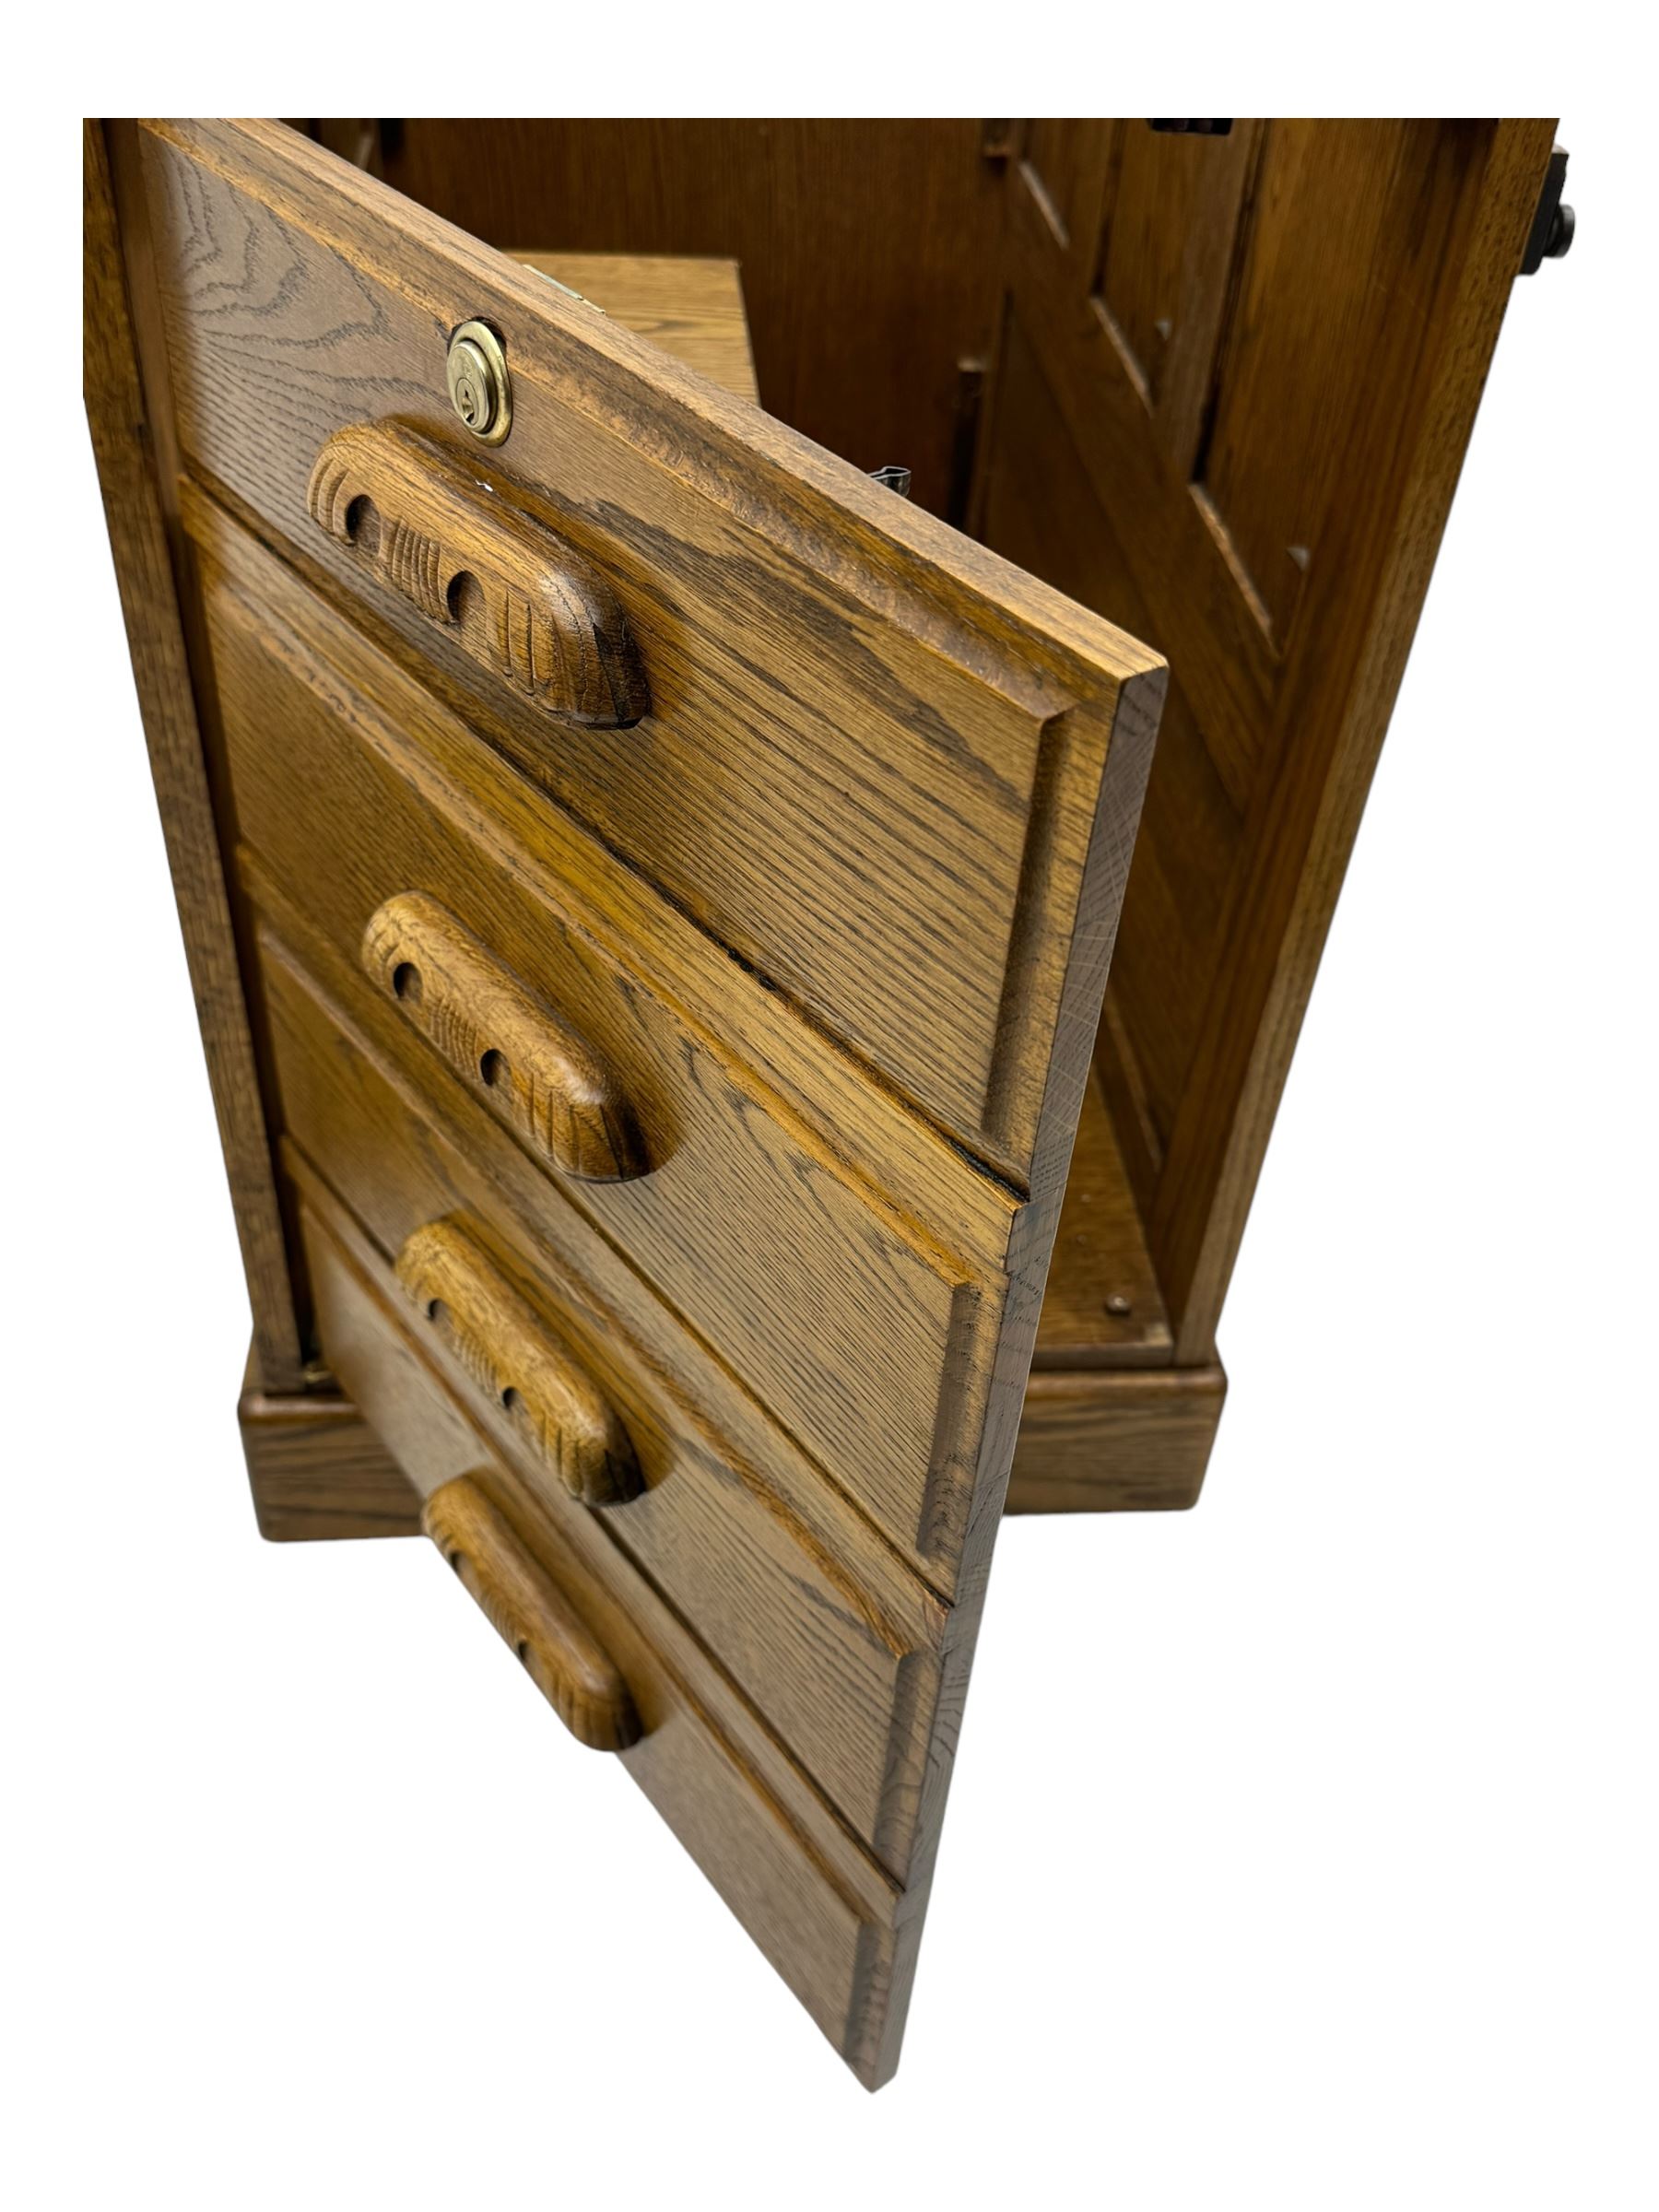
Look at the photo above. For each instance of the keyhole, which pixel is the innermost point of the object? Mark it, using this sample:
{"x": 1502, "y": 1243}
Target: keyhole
{"x": 479, "y": 389}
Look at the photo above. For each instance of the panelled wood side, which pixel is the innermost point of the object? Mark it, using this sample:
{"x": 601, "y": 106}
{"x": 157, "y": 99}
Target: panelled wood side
{"x": 1234, "y": 381}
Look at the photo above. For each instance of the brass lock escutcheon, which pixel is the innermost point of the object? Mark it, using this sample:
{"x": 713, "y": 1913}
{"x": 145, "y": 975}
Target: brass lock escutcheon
{"x": 479, "y": 386}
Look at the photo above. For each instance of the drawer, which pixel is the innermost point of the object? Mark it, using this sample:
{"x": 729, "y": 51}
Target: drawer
{"x": 381, "y": 827}
{"x": 857, "y": 764}
{"x": 815, "y": 1906}
{"x": 676, "y": 882}
{"x": 810, "y": 1612}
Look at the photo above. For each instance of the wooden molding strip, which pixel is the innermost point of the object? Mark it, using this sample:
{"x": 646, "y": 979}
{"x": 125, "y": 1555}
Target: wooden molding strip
{"x": 317, "y": 1470}
{"x": 122, "y": 443}
{"x": 1115, "y": 1439}
{"x": 1305, "y": 817}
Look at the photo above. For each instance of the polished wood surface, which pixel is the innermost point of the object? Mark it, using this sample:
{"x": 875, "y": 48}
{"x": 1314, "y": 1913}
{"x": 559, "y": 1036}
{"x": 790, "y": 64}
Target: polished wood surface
{"x": 433, "y": 524}
{"x": 531, "y": 1613}
{"x": 838, "y": 914}
{"x": 547, "y": 1083}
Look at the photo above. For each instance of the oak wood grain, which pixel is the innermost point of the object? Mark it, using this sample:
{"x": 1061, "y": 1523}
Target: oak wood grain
{"x": 874, "y": 1139}
{"x": 428, "y": 523}
{"x": 1333, "y": 710}
{"x": 531, "y": 1614}
{"x": 838, "y": 907}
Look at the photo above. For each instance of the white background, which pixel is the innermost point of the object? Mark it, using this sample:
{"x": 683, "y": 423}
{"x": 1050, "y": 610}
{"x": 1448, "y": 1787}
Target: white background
{"x": 1301, "y": 1850}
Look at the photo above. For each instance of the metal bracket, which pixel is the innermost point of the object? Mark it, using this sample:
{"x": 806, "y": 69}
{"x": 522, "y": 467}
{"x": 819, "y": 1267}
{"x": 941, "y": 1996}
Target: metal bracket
{"x": 1551, "y": 234}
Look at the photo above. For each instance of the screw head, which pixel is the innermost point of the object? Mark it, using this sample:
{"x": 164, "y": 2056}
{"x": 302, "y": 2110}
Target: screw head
{"x": 1562, "y": 224}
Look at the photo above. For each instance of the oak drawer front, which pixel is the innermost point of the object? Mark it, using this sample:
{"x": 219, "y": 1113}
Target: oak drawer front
{"x": 812, "y": 1615}
{"x": 851, "y": 1324}
{"x": 817, "y": 1908}
{"x": 781, "y": 835}
{"x": 867, "y": 745}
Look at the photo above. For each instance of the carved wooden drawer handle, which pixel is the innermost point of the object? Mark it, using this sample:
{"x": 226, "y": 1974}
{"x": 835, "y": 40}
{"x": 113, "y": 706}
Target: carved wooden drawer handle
{"x": 531, "y": 1071}
{"x": 563, "y": 1658}
{"x": 510, "y": 1351}
{"x": 519, "y": 600}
